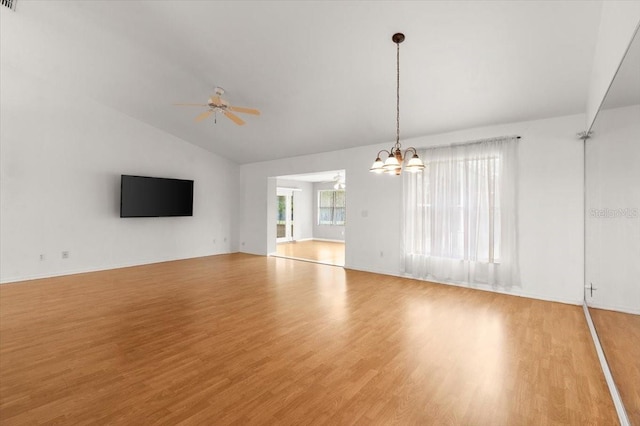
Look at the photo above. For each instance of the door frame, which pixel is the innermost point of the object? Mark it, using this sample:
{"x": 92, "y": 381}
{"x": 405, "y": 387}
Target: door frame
{"x": 289, "y": 214}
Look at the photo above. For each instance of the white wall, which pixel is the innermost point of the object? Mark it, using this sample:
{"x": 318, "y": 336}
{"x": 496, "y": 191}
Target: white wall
{"x": 618, "y": 23}
{"x": 326, "y": 232}
{"x": 61, "y": 156}
{"x": 550, "y": 203}
{"x": 302, "y": 207}
{"x": 613, "y": 210}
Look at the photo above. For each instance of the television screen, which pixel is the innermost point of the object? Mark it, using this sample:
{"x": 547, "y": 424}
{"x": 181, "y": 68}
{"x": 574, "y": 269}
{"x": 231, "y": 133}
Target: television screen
{"x": 154, "y": 197}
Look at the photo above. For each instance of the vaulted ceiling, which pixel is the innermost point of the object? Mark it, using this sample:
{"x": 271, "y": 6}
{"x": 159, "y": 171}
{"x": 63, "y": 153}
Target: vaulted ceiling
{"x": 321, "y": 72}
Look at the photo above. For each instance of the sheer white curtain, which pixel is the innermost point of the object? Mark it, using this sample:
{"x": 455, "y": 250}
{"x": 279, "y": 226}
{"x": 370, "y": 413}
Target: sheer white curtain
{"x": 460, "y": 214}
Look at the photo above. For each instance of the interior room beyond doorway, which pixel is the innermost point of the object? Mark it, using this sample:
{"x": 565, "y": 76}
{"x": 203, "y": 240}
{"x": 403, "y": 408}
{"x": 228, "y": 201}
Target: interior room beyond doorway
{"x": 328, "y": 252}
{"x": 311, "y": 217}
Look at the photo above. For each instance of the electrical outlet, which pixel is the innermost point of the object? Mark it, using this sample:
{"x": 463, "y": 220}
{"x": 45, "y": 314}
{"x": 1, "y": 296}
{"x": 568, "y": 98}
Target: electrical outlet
{"x": 225, "y": 239}
{"x": 381, "y": 253}
{"x": 42, "y": 257}
{"x": 214, "y": 241}
{"x": 65, "y": 254}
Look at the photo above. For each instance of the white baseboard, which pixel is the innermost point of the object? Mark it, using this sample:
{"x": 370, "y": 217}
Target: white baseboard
{"x": 304, "y": 260}
{"x": 373, "y": 270}
{"x": 314, "y": 239}
{"x": 309, "y": 239}
{"x": 616, "y": 308}
{"x": 327, "y": 240}
{"x": 16, "y": 279}
{"x": 613, "y": 390}
{"x": 514, "y": 291}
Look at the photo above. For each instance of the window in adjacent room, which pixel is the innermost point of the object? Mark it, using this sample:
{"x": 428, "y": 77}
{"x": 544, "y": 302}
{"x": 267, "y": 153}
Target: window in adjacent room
{"x": 331, "y": 207}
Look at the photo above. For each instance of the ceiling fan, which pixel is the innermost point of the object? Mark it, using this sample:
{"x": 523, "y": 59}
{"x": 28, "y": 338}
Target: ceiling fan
{"x": 218, "y": 105}
{"x": 339, "y": 181}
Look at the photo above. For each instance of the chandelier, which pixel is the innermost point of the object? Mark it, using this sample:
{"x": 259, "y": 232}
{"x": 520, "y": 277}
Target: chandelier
{"x": 393, "y": 165}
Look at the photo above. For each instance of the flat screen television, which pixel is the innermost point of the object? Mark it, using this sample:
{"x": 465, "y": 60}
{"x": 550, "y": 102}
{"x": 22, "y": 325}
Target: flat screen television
{"x": 142, "y": 196}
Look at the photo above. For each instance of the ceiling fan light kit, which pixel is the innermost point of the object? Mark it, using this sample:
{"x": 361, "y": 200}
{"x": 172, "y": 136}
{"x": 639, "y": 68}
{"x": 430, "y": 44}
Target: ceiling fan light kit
{"x": 393, "y": 165}
{"x": 217, "y": 104}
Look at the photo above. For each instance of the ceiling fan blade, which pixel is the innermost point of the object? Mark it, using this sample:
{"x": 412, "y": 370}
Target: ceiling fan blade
{"x": 231, "y": 116}
{"x": 203, "y": 115}
{"x": 244, "y": 110}
{"x": 198, "y": 105}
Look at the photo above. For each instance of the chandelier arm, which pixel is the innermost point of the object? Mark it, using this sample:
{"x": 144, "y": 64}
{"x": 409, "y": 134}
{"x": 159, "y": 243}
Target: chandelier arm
{"x": 384, "y": 150}
{"x": 410, "y": 149}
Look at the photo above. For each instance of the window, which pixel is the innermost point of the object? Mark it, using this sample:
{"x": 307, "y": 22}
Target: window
{"x": 331, "y": 207}
{"x": 464, "y": 225}
{"x": 460, "y": 214}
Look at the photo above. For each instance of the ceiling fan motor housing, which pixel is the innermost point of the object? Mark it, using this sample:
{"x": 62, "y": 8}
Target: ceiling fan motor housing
{"x": 217, "y": 102}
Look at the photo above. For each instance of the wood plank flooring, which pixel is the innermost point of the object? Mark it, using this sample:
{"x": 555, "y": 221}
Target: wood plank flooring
{"x": 240, "y": 339}
{"x": 619, "y": 335}
{"x": 329, "y": 252}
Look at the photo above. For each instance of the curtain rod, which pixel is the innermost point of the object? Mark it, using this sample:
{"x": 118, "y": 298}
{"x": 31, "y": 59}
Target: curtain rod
{"x": 497, "y": 138}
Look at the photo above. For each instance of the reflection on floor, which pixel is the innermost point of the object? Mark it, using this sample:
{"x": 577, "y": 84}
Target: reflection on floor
{"x": 328, "y": 252}
{"x": 619, "y": 335}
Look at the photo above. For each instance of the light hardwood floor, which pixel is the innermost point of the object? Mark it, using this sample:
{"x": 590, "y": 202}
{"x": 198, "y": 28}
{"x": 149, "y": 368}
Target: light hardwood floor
{"x": 328, "y": 252}
{"x": 240, "y": 339}
{"x": 619, "y": 335}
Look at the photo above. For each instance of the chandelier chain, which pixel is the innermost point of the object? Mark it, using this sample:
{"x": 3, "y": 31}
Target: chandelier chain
{"x": 394, "y": 164}
{"x": 398, "y": 95}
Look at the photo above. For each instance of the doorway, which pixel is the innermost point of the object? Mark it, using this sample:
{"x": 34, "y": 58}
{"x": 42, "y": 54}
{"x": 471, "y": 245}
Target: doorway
{"x": 310, "y": 216}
